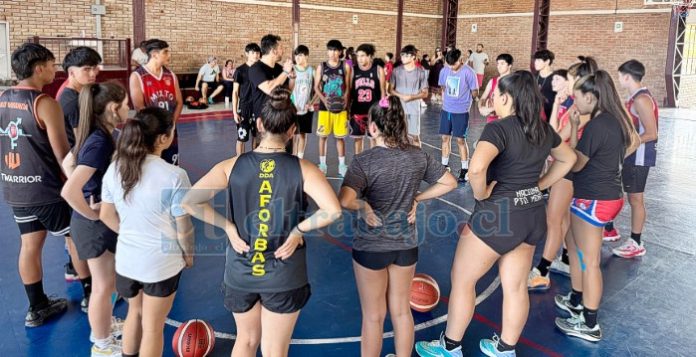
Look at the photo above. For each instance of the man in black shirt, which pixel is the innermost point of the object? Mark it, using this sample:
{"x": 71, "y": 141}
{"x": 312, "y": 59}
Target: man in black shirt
{"x": 266, "y": 74}
{"x": 543, "y": 60}
{"x": 242, "y": 100}
{"x": 82, "y": 66}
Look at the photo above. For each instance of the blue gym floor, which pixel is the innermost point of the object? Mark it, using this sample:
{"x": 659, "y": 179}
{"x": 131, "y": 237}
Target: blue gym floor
{"x": 648, "y": 309}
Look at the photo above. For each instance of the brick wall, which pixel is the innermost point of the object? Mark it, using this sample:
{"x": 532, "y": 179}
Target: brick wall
{"x": 644, "y": 37}
{"x": 29, "y": 18}
{"x": 196, "y": 29}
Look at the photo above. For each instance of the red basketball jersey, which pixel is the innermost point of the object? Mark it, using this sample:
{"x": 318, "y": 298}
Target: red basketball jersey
{"x": 158, "y": 92}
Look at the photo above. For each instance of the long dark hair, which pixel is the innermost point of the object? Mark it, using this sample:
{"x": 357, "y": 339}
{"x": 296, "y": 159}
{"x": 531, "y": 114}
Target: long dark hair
{"x": 138, "y": 139}
{"x": 391, "y": 121}
{"x": 93, "y": 101}
{"x": 278, "y": 113}
{"x": 528, "y": 104}
{"x": 602, "y": 87}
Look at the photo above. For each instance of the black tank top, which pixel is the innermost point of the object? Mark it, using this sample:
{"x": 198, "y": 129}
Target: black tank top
{"x": 365, "y": 90}
{"x": 30, "y": 174}
{"x": 267, "y": 202}
{"x": 332, "y": 82}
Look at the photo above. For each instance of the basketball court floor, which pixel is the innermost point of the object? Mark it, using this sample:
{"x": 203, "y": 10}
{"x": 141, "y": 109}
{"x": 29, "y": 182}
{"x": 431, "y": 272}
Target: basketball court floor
{"x": 648, "y": 309}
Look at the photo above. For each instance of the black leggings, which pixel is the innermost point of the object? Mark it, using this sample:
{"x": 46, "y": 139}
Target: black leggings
{"x": 229, "y": 85}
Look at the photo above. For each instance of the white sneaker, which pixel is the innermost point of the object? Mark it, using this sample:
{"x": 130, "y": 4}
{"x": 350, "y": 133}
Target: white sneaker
{"x": 323, "y": 168}
{"x": 113, "y": 349}
{"x": 116, "y": 329}
{"x": 558, "y": 266}
{"x": 342, "y": 169}
{"x": 630, "y": 249}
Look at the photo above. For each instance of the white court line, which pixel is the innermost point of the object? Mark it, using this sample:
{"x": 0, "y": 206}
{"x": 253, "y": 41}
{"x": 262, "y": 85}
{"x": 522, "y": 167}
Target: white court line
{"x": 437, "y": 148}
{"x": 323, "y": 341}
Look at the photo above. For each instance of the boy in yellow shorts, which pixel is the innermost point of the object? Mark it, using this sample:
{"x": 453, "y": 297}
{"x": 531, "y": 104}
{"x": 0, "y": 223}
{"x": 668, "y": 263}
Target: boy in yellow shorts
{"x": 332, "y": 86}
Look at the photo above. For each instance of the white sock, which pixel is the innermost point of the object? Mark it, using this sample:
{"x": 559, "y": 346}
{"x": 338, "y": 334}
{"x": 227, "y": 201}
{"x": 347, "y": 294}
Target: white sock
{"x": 465, "y": 164}
{"x": 300, "y": 155}
{"x": 322, "y": 160}
{"x": 103, "y": 343}
{"x": 445, "y": 161}
{"x": 341, "y": 160}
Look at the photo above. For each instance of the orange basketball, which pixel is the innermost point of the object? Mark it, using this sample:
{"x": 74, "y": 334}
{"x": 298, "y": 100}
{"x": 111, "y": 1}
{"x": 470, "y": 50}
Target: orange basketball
{"x": 194, "y": 338}
{"x": 425, "y": 293}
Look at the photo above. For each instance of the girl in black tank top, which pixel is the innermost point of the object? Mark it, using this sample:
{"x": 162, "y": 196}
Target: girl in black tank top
{"x": 265, "y": 265}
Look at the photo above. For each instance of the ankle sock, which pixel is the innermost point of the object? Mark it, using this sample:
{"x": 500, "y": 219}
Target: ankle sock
{"x": 609, "y": 226}
{"x": 575, "y": 297}
{"x": 590, "y": 317}
{"x": 86, "y": 286}
{"x": 504, "y": 347}
{"x": 450, "y": 345}
{"x": 36, "y": 295}
{"x": 636, "y": 237}
{"x": 543, "y": 266}
{"x": 564, "y": 257}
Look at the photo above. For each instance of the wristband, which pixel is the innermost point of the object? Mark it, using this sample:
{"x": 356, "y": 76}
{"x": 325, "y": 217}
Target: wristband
{"x": 299, "y": 230}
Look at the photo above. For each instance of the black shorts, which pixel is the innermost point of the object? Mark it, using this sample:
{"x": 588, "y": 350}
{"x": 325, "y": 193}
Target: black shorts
{"x": 129, "y": 288}
{"x": 285, "y": 302}
{"x": 504, "y": 229}
{"x": 246, "y": 127}
{"x": 54, "y": 217}
{"x": 211, "y": 85}
{"x": 358, "y": 125}
{"x": 171, "y": 154}
{"x": 381, "y": 260}
{"x": 634, "y": 178}
{"x": 305, "y": 122}
{"x": 92, "y": 238}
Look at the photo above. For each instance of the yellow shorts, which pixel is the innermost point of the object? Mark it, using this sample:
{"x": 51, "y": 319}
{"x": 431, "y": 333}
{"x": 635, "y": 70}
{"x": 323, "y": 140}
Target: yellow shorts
{"x": 333, "y": 122}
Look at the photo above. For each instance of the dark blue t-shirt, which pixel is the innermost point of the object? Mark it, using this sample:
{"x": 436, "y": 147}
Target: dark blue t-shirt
{"x": 96, "y": 152}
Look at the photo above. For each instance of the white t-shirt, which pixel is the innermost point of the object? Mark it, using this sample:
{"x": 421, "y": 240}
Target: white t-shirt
{"x": 147, "y": 250}
{"x": 209, "y": 72}
{"x": 139, "y": 56}
{"x": 478, "y": 60}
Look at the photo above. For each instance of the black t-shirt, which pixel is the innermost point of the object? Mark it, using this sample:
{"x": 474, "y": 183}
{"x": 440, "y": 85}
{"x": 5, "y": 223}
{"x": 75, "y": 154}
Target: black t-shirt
{"x": 69, "y": 101}
{"x": 519, "y": 163}
{"x": 241, "y": 76}
{"x": 96, "y": 153}
{"x": 259, "y": 73}
{"x": 602, "y": 142}
{"x": 547, "y": 91}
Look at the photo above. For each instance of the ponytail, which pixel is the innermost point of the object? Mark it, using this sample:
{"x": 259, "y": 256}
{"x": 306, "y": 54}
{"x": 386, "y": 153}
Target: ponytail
{"x": 586, "y": 66}
{"x": 527, "y": 103}
{"x": 388, "y": 115}
{"x": 602, "y": 87}
{"x": 93, "y": 101}
{"x": 136, "y": 141}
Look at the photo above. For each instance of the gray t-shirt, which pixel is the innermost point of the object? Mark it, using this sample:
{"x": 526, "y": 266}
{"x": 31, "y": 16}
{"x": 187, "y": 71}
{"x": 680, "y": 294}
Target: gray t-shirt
{"x": 409, "y": 82}
{"x": 382, "y": 179}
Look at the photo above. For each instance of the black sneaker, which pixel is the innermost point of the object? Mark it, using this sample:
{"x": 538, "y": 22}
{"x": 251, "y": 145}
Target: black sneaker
{"x": 37, "y": 316}
{"x": 462, "y": 175}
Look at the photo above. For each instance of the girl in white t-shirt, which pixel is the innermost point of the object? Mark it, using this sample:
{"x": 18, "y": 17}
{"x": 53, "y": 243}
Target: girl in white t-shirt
{"x": 141, "y": 198}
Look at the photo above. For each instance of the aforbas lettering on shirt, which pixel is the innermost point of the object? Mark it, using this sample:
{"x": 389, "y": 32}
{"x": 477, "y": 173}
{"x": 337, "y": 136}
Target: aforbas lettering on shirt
{"x": 527, "y": 196}
{"x": 258, "y": 260}
{"x": 20, "y": 179}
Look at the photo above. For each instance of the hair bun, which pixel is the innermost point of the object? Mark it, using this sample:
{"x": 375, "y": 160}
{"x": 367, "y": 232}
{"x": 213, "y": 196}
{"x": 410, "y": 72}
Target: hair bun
{"x": 280, "y": 99}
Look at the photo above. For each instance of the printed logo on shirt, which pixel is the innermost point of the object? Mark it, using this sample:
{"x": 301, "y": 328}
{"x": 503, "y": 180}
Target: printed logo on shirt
{"x": 527, "y": 196}
{"x": 452, "y": 85}
{"x": 14, "y": 132}
{"x": 258, "y": 260}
